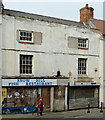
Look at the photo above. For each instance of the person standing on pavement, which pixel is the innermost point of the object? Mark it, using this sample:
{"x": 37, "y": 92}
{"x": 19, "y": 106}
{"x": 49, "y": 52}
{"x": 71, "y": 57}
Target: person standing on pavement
{"x": 40, "y": 105}
{"x": 36, "y": 107}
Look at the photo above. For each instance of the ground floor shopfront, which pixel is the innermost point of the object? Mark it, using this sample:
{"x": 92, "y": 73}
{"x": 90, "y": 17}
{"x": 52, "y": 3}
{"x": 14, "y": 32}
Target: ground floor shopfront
{"x": 83, "y": 93}
{"x": 57, "y": 94}
{"x": 23, "y": 93}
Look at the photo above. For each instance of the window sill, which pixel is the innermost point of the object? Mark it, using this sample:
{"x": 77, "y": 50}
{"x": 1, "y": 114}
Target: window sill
{"x": 82, "y": 75}
{"x": 26, "y": 75}
{"x": 26, "y": 42}
{"x": 83, "y": 48}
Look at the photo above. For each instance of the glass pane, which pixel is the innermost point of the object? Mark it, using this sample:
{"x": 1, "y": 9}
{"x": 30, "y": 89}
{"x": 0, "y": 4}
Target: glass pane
{"x": 27, "y": 67}
{"x": 27, "y": 62}
{"x": 24, "y": 67}
{"x": 30, "y": 71}
{"x": 24, "y": 33}
{"x": 30, "y": 58}
{"x": 27, "y": 71}
{"x": 30, "y": 35}
{"x": 24, "y": 62}
{"x": 23, "y": 71}
{"x": 26, "y": 57}
{"x": 20, "y": 38}
{"x": 30, "y": 62}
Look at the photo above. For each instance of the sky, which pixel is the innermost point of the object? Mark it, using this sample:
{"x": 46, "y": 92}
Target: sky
{"x": 65, "y": 9}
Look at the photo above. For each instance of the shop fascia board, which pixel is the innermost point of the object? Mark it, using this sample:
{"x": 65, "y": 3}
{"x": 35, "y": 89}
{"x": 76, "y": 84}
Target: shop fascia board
{"x": 84, "y": 83}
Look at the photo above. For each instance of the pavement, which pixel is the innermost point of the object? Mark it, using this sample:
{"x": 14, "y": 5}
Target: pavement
{"x": 94, "y": 113}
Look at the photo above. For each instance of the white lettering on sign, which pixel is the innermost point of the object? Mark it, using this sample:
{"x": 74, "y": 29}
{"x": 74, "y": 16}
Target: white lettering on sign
{"x": 29, "y": 82}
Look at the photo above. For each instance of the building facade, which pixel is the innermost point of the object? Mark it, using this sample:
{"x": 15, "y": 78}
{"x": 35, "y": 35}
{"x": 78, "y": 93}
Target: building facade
{"x": 41, "y": 55}
{"x": 87, "y": 17}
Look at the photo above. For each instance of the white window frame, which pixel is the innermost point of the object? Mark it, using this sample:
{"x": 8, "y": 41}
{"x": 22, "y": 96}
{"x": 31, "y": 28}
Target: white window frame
{"x": 82, "y": 43}
{"x": 25, "y": 64}
{"x": 82, "y": 66}
{"x": 26, "y": 36}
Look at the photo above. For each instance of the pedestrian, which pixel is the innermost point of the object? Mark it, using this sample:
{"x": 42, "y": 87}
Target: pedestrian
{"x": 40, "y": 105}
{"x": 36, "y": 107}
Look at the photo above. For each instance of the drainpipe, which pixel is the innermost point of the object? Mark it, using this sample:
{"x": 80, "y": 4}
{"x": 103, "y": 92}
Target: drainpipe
{"x": 52, "y": 99}
{"x": 68, "y": 97}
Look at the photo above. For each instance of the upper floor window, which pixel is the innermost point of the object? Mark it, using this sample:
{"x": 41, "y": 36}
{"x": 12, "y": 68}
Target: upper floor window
{"x": 82, "y": 66}
{"x": 82, "y": 43}
{"x": 26, "y": 64}
{"x": 78, "y": 43}
{"x": 29, "y": 37}
{"x": 26, "y": 36}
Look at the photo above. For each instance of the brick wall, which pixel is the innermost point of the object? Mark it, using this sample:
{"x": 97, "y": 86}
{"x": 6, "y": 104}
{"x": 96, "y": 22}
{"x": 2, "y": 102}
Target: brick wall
{"x": 86, "y": 14}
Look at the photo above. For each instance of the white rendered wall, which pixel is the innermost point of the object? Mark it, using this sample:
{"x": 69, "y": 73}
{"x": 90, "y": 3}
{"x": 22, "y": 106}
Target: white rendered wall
{"x": 102, "y": 71}
{"x": 56, "y": 56}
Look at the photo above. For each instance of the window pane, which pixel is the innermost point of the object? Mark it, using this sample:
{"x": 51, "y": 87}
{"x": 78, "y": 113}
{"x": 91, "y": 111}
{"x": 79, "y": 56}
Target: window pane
{"x": 23, "y": 71}
{"x": 30, "y": 62}
{"x": 30, "y": 71}
{"x": 27, "y": 71}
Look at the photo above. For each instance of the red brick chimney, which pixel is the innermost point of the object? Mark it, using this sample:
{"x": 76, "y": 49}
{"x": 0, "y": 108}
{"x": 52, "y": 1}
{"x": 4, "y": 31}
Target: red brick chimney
{"x": 86, "y": 14}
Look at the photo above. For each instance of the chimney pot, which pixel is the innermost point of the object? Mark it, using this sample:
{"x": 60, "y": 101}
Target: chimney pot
{"x": 86, "y": 5}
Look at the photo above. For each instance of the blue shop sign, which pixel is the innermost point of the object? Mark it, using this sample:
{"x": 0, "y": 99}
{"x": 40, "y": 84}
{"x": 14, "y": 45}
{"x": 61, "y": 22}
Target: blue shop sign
{"x": 29, "y": 82}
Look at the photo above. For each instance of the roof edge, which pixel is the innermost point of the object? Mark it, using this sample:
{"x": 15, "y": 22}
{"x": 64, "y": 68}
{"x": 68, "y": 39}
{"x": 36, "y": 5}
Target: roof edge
{"x": 40, "y": 17}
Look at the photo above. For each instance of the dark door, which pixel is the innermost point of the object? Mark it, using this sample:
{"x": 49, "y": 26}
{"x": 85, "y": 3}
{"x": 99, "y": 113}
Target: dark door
{"x": 46, "y": 98}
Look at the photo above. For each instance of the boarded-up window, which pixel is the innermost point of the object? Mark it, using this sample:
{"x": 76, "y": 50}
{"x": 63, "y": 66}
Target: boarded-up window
{"x": 72, "y": 42}
{"x": 79, "y": 96}
{"x": 38, "y": 38}
{"x": 17, "y": 33}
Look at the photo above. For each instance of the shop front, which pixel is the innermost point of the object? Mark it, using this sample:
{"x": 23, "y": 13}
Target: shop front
{"x": 82, "y": 93}
{"x": 22, "y": 94}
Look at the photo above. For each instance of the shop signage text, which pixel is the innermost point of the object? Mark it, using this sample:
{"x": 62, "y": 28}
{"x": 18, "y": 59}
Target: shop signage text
{"x": 29, "y": 82}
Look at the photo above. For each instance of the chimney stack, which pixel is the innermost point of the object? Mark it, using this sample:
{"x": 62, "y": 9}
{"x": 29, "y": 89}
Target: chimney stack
{"x": 0, "y": 2}
{"x": 1, "y": 6}
{"x": 86, "y": 14}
